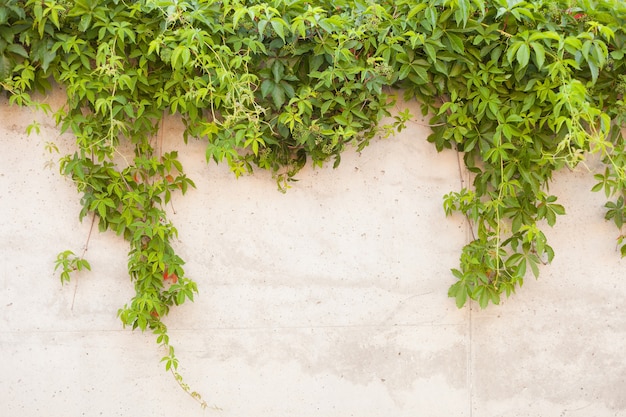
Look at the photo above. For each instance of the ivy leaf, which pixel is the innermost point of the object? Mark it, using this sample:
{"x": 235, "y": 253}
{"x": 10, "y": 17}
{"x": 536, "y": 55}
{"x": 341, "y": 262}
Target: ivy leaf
{"x": 18, "y": 50}
{"x": 85, "y": 21}
{"x": 540, "y": 53}
{"x": 278, "y": 71}
{"x": 415, "y": 10}
{"x": 431, "y": 16}
{"x": 595, "y": 71}
{"x": 430, "y": 51}
{"x": 523, "y": 55}
{"x": 266, "y": 87}
{"x": 277, "y": 25}
{"x": 5, "y": 67}
{"x": 510, "y": 53}
{"x": 278, "y": 95}
{"x": 463, "y": 12}
{"x": 456, "y": 42}
{"x": 180, "y": 53}
{"x": 461, "y": 296}
{"x": 460, "y": 289}
{"x": 239, "y": 12}
{"x": 261, "y": 26}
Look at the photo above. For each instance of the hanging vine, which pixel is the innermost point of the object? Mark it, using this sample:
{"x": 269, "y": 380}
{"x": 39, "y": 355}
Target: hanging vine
{"x": 520, "y": 89}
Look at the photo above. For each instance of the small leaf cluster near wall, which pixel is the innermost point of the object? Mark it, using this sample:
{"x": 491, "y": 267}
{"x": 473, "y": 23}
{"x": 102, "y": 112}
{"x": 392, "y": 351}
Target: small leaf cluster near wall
{"x": 520, "y": 89}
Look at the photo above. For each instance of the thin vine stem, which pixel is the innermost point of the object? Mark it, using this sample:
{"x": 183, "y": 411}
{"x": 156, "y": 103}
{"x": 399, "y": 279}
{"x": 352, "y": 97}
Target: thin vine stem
{"x": 82, "y": 256}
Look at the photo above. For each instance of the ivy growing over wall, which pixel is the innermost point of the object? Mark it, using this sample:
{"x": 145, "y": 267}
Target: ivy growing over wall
{"x": 520, "y": 89}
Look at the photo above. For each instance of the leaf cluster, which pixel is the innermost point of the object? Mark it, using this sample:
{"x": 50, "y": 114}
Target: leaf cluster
{"x": 521, "y": 89}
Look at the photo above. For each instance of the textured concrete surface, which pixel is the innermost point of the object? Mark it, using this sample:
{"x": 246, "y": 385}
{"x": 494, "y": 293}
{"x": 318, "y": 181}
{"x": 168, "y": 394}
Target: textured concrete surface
{"x": 329, "y": 300}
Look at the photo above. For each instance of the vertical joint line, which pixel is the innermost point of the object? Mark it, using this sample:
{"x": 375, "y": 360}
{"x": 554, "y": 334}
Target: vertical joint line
{"x": 464, "y": 178}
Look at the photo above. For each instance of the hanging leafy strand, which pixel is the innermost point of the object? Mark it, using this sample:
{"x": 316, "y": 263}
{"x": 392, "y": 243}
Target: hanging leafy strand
{"x": 521, "y": 89}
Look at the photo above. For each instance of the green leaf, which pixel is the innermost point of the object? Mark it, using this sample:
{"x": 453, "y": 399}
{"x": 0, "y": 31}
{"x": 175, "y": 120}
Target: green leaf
{"x": 415, "y": 10}
{"x": 85, "y": 22}
{"x": 430, "y": 15}
{"x": 430, "y": 51}
{"x": 458, "y": 290}
{"x": 595, "y": 71}
{"x": 278, "y": 25}
{"x": 180, "y": 56}
{"x": 456, "y": 42}
{"x": 266, "y": 87}
{"x": 540, "y": 54}
{"x": 278, "y": 70}
{"x": 523, "y": 55}
{"x": 5, "y": 66}
{"x": 278, "y": 95}
{"x": 261, "y": 26}
{"x": 17, "y": 49}
{"x": 461, "y": 296}
{"x": 84, "y": 264}
{"x": 534, "y": 267}
{"x": 238, "y": 14}
{"x": 510, "y": 53}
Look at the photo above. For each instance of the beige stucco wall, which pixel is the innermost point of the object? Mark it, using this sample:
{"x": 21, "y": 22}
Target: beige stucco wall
{"x": 329, "y": 300}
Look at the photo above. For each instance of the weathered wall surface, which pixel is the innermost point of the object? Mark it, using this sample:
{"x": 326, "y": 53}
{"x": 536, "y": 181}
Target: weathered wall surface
{"x": 329, "y": 300}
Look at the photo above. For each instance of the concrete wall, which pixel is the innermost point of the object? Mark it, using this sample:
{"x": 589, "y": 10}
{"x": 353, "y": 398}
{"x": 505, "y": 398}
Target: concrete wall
{"x": 329, "y": 300}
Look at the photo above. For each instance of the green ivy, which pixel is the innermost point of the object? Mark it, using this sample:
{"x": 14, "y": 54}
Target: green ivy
{"x": 521, "y": 89}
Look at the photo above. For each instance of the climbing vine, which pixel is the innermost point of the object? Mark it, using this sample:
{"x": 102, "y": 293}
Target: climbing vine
{"x": 520, "y": 89}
